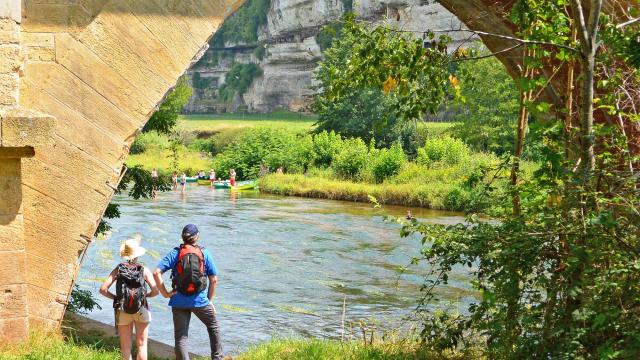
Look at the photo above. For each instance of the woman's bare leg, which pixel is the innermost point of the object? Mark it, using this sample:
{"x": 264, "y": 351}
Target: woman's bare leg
{"x": 125, "y": 332}
{"x": 142, "y": 334}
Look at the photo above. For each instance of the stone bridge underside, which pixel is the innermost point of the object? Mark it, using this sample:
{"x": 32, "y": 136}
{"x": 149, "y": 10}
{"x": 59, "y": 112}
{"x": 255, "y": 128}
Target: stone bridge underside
{"x": 78, "y": 79}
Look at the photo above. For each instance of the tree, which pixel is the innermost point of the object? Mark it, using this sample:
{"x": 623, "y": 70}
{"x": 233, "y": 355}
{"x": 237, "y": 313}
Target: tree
{"x": 384, "y": 95}
{"x": 558, "y": 278}
{"x": 485, "y": 117}
{"x": 165, "y": 118}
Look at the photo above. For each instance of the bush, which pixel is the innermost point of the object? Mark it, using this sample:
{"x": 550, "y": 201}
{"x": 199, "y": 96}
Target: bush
{"x": 265, "y": 146}
{"x": 388, "y": 162}
{"x": 200, "y": 82}
{"x": 326, "y": 145}
{"x": 147, "y": 141}
{"x": 239, "y": 79}
{"x": 82, "y": 301}
{"x": 447, "y": 150}
{"x": 352, "y": 159}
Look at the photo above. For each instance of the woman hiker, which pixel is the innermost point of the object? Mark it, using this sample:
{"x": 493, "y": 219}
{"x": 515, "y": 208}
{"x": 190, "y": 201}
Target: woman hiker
{"x": 130, "y": 300}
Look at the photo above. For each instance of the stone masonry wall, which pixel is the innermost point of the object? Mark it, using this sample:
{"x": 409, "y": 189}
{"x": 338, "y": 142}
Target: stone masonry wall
{"x": 99, "y": 68}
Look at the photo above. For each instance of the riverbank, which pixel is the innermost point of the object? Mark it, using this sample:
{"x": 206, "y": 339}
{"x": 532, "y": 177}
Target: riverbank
{"x": 427, "y": 195}
{"x": 92, "y": 346}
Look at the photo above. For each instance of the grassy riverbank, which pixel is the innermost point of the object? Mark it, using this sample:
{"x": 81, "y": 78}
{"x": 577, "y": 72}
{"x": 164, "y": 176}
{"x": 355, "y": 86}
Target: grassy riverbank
{"x": 58, "y": 347}
{"x": 429, "y": 195}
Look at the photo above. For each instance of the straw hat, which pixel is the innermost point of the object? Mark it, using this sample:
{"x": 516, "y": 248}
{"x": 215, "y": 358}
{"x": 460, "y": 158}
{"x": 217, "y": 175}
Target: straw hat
{"x": 131, "y": 248}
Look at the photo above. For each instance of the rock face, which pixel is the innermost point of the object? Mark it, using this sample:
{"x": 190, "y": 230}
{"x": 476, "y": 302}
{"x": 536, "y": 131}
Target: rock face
{"x": 292, "y": 52}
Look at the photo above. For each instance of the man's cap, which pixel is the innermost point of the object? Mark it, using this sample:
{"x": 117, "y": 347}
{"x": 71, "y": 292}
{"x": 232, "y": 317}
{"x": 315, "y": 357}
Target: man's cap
{"x": 190, "y": 230}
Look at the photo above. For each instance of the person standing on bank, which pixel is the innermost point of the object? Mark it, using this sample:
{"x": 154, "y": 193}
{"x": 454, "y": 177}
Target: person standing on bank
{"x": 130, "y": 300}
{"x": 191, "y": 268}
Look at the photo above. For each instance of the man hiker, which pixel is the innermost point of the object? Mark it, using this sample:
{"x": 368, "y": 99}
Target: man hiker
{"x": 191, "y": 267}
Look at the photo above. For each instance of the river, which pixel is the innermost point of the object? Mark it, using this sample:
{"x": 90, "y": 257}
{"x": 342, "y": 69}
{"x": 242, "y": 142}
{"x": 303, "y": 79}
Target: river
{"x": 285, "y": 264}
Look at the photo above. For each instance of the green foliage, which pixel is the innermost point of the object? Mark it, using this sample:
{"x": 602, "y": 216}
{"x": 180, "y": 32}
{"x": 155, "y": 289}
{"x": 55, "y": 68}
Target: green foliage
{"x": 164, "y": 119}
{"x": 414, "y": 78}
{"x": 488, "y": 114}
{"x": 200, "y": 82}
{"x": 326, "y": 145}
{"x": 242, "y": 27}
{"x": 238, "y": 79}
{"x": 447, "y": 150}
{"x": 260, "y": 51}
{"x": 388, "y": 162}
{"x": 140, "y": 185}
{"x": 557, "y": 267}
{"x": 363, "y": 114}
{"x": 81, "y": 301}
{"x": 352, "y": 159}
{"x": 267, "y": 146}
{"x": 347, "y": 6}
{"x": 329, "y": 33}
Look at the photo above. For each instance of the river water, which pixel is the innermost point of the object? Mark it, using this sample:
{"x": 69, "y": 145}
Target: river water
{"x": 285, "y": 264}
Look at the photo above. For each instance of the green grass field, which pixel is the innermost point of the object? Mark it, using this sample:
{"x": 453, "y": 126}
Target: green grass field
{"x": 219, "y": 123}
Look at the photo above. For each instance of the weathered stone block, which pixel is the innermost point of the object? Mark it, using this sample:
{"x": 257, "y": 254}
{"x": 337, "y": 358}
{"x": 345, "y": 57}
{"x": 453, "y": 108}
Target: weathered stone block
{"x": 43, "y": 40}
{"x": 40, "y": 54}
{"x": 9, "y": 89}
{"x": 24, "y": 127}
{"x": 77, "y": 95}
{"x": 10, "y": 58}
{"x": 10, "y": 189}
{"x": 53, "y": 276}
{"x": 9, "y": 31}
{"x": 46, "y": 304}
{"x": 13, "y": 301}
{"x": 13, "y": 272}
{"x": 76, "y": 57}
{"x": 14, "y": 329}
{"x": 11, "y": 232}
{"x": 11, "y": 9}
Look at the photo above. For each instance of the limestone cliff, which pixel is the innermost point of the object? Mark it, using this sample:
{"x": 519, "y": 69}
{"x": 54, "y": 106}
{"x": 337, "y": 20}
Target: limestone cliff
{"x": 291, "y": 52}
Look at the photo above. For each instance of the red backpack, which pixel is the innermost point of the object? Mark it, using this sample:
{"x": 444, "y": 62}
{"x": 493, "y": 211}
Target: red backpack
{"x": 189, "y": 277}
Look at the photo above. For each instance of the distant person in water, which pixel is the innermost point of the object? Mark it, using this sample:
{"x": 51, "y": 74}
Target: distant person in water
{"x": 174, "y": 181}
{"x": 212, "y": 177}
{"x": 232, "y": 177}
{"x": 183, "y": 182}
{"x": 154, "y": 182}
{"x": 130, "y": 300}
{"x": 409, "y": 216}
{"x": 192, "y": 267}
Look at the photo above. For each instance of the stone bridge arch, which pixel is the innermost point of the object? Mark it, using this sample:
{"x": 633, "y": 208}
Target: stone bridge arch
{"x": 78, "y": 80}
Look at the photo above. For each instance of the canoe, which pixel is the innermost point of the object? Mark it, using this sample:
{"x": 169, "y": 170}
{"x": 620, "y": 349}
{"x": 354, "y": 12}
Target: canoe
{"x": 221, "y": 185}
{"x": 249, "y": 186}
{"x": 190, "y": 179}
{"x": 204, "y": 182}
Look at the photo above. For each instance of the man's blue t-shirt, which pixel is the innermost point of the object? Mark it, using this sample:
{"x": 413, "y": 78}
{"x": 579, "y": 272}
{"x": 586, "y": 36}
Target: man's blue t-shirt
{"x": 180, "y": 300}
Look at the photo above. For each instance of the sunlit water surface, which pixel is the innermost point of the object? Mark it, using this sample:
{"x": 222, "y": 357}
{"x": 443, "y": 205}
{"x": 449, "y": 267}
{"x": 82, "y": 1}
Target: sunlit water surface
{"x": 285, "y": 264}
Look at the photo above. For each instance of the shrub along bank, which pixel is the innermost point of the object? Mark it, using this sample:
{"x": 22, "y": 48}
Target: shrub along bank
{"x": 444, "y": 175}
